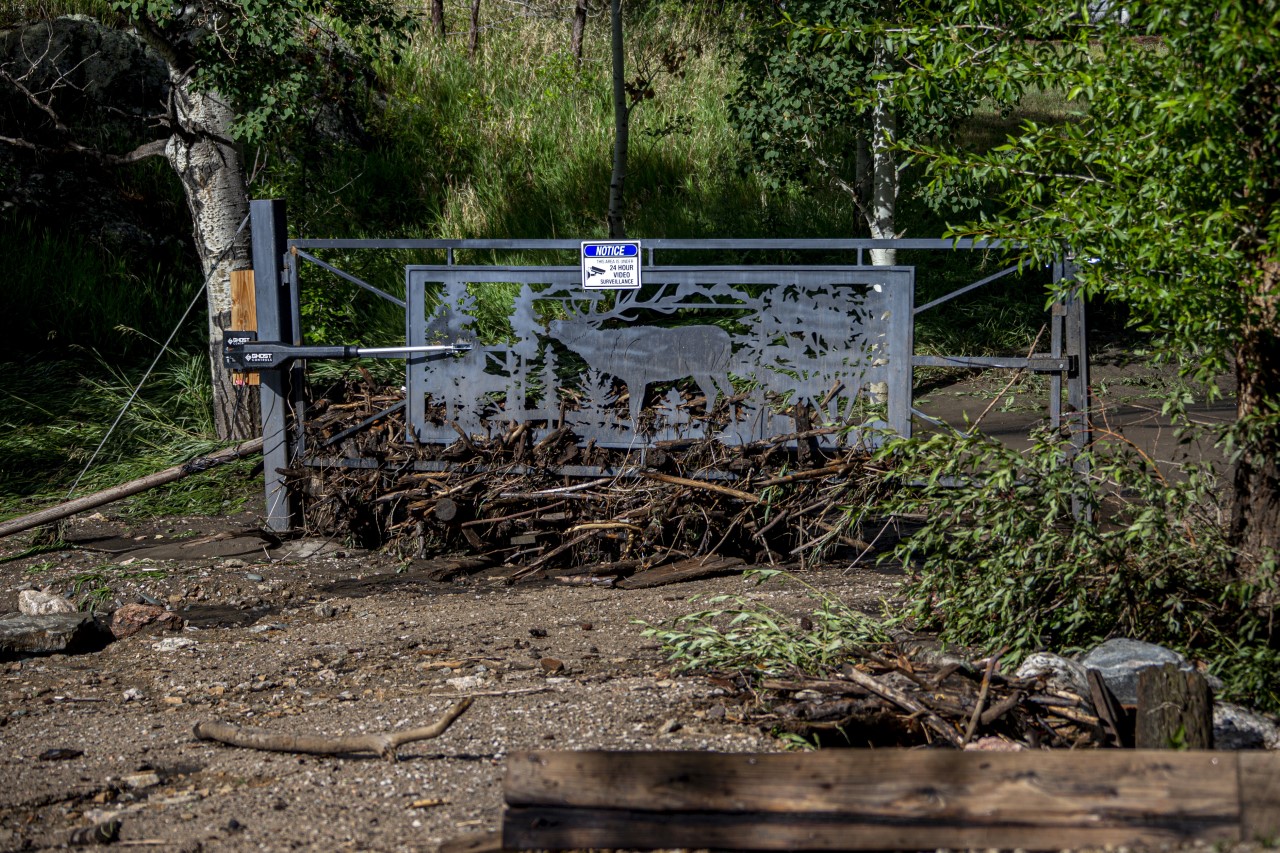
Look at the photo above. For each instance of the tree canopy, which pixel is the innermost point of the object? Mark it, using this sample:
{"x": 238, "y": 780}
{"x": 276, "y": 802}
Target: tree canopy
{"x": 1163, "y": 181}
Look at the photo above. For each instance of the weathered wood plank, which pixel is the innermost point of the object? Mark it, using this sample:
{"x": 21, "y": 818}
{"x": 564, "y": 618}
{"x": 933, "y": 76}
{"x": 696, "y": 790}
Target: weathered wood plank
{"x": 684, "y": 570}
{"x": 870, "y": 799}
{"x": 550, "y": 828}
{"x": 1259, "y": 796}
{"x": 244, "y": 312}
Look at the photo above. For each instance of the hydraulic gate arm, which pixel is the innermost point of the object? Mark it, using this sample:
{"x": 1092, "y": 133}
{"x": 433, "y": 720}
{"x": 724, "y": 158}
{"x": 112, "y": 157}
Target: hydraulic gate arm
{"x": 242, "y": 351}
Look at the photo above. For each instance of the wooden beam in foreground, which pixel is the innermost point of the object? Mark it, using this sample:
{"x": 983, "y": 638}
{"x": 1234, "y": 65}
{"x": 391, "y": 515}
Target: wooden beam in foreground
{"x": 888, "y": 799}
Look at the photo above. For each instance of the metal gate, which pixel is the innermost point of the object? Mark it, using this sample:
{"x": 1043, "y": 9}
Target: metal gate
{"x": 737, "y": 354}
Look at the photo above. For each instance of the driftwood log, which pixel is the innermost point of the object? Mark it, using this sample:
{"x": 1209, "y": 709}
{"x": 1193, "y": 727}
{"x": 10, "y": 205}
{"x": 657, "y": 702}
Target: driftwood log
{"x": 384, "y": 744}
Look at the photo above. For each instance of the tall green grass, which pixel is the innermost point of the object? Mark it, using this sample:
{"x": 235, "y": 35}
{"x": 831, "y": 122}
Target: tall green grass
{"x": 54, "y": 414}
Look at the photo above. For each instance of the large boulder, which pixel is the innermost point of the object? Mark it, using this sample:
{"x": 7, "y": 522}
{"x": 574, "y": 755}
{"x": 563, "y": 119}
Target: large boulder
{"x": 99, "y": 79}
{"x": 1058, "y": 673}
{"x": 22, "y": 635}
{"x": 1120, "y": 660}
{"x": 1237, "y": 727}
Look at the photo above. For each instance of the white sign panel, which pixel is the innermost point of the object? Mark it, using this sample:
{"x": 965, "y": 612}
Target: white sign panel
{"x": 611, "y": 265}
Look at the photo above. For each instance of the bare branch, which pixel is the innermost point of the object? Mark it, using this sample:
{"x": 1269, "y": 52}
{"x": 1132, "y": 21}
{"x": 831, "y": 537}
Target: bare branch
{"x": 383, "y": 744}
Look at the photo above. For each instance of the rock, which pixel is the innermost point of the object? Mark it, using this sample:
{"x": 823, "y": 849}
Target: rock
{"x": 1059, "y": 673}
{"x": 465, "y": 682}
{"x": 22, "y": 635}
{"x": 133, "y": 694}
{"x": 59, "y": 754}
{"x": 326, "y": 610}
{"x": 305, "y": 549}
{"x": 991, "y": 743}
{"x": 132, "y": 618}
{"x": 552, "y": 666}
{"x": 1118, "y": 662}
{"x": 145, "y": 779}
{"x": 33, "y": 602}
{"x": 1236, "y": 727}
{"x": 174, "y": 644}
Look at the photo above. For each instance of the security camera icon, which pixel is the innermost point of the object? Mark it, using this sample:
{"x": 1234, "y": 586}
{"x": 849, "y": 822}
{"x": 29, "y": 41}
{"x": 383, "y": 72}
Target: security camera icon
{"x": 592, "y": 272}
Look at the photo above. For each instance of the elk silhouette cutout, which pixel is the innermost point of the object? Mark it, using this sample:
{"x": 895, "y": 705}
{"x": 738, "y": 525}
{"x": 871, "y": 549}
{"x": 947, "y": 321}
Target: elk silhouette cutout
{"x": 642, "y": 355}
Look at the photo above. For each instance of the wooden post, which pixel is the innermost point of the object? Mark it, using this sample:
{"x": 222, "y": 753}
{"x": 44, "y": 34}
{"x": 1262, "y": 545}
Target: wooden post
{"x": 244, "y": 314}
{"x": 1175, "y": 709}
{"x": 579, "y": 28}
{"x": 473, "y": 45}
{"x": 437, "y": 18}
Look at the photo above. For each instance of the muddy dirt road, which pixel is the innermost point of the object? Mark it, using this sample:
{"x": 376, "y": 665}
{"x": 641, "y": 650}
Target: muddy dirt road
{"x": 333, "y": 642}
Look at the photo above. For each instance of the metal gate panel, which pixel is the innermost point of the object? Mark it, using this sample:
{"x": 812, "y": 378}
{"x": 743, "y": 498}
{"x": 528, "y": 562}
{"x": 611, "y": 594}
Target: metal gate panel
{"x": 820, "y": 338}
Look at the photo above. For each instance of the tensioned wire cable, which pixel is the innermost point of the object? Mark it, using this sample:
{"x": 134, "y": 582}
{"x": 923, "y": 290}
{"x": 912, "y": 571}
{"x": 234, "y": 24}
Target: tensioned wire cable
{"x": 163, "y": 349}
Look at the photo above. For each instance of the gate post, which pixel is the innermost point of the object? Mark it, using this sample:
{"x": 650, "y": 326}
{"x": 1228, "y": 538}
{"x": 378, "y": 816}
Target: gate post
{"x": 1077, "y": 345}
{"x": 268, "y": 227}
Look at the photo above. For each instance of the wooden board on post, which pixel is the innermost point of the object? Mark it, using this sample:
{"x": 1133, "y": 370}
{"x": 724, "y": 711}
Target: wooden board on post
{"x": 244, "y": 314}
{"x": 848, "y": 799}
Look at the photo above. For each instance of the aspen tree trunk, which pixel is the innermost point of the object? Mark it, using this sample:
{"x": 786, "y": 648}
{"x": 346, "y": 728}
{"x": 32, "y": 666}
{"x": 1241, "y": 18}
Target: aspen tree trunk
{"x": 884, "y": 179}
{"x": 1255, "y": 517}
{"x": 211, "y": 169}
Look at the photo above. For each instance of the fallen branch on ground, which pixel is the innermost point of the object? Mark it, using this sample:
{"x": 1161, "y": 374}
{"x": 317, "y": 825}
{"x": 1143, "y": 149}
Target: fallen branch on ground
{"x": 384, "y": 744}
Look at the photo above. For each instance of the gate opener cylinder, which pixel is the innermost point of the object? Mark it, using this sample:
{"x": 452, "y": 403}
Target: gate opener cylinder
{"x": 242, "y": 351}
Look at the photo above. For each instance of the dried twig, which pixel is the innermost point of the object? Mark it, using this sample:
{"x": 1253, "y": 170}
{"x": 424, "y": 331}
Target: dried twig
{"x": 699, "y": 484}
{"x": 905, "y": 702}
{"x": 384, "y": 744}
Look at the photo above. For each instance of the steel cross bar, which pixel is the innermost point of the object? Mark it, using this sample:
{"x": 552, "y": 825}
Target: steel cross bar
{"x": 349, "y": 277}
{"x": 968, "y": 287}
{"x": 1036, "y": 363}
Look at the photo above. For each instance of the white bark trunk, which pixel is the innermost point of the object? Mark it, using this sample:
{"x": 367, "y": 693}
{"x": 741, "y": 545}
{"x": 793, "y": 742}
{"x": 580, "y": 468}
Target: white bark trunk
{"x": 884, "y": 181}
{"x": 209, "y": 164}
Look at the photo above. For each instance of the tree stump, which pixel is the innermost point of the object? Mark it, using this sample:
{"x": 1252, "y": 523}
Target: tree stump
{"x": 1175, "y": 709}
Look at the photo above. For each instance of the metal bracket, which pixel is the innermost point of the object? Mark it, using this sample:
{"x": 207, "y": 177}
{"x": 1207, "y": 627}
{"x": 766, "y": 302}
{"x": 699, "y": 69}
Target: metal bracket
{"x": 242, "y": 351}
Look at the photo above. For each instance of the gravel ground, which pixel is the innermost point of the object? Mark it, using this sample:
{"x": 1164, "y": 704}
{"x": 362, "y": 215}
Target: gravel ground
{"x": 334, "y": 643}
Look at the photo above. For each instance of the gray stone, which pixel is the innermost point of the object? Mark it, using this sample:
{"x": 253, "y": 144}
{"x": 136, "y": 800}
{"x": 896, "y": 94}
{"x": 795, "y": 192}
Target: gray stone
{"x": 1236, "y": 727}
{"x": 1120, "y": 660}
{"x": 22, "y": 634}
{"x": 1059, "y": 673}
{"x": 33, "y": 602}
{"x": 305, "y": 549}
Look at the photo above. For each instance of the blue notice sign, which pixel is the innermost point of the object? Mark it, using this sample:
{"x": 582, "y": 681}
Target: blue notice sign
{"x": 611, "y": 265}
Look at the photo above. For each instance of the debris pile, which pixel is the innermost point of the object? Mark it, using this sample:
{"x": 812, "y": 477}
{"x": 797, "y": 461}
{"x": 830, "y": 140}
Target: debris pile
{"x": 898, "y": 699}
{"x": 506, "y": 497}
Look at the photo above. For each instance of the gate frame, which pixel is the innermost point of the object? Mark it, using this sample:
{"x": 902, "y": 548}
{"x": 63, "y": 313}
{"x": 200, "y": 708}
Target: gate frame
{"x": 276, "y": 263}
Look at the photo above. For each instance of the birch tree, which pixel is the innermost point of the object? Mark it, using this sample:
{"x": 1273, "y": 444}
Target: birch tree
{"x": 241, "y": 72}
{"x": 795, "y": 109}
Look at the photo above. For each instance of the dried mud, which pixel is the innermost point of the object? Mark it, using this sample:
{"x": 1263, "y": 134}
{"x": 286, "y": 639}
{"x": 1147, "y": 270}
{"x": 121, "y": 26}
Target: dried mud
{"x": 339, "y": 642}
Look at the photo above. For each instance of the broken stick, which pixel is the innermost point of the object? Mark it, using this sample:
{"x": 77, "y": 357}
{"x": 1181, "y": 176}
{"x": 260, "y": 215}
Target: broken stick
{"x": 384, "y": 744}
